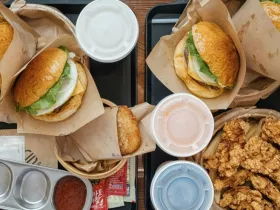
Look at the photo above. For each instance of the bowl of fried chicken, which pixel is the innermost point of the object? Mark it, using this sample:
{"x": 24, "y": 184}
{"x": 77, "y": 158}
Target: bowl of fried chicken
{"x": 243, "y": 160}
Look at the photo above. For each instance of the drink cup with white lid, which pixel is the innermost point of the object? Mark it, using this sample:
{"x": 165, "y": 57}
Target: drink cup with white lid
{"x": 181, "y": 185}
{"x": 182, "y": 125}
{"x": 107, "y": 30}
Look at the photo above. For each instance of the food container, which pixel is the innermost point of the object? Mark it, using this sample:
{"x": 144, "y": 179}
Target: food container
{"x": 25, "y": 186}
{"x": 90, "y": 175}
{"x": 182, "y": 125}
{"x": 181, "y": 185}
{"x": 220, "y": 121}
{"x": 107, "y": 30}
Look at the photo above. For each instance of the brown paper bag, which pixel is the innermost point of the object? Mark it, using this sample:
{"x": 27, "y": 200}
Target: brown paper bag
{"x": 38, "y": 148}
{"x": 160, "y": 60}
{"x": 98, "y": 140}
{"x": 47, "y": 21}
{"x": 90, "y": 108}
{"x": 260, "y": 39}
{"x": 19, "y": 52}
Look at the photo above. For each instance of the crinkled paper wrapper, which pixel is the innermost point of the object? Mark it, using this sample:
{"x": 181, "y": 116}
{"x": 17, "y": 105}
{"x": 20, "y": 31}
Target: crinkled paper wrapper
{"x": 160, "y": 60}
{"x": 260, "y": 39}
{"x": 256, "y": 86}
{"x": 38, "y": 148}
{"x": 220, "y": 120}
{"x": 20, "y": 51}
{"x": 90, "y": 108}
{"x": 98, "y": 140}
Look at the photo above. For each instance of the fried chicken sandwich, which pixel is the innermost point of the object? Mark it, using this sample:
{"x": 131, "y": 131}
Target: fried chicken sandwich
{"x": 207, "y": 60}
{"x": 272, "y": 9}
{"x": 52, "y": 86}
{"x": 7, "y": 33}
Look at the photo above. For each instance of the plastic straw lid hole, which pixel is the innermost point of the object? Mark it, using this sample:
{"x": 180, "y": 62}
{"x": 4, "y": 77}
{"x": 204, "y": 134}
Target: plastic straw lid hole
{"x": 182, "y": 193}
{"x": 184, "y": 127}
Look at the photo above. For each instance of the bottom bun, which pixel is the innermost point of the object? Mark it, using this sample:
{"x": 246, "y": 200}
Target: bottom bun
{"x": 181, "y": 68}
{"x": 71, "y": 106}
{"x": 203, "y": 91}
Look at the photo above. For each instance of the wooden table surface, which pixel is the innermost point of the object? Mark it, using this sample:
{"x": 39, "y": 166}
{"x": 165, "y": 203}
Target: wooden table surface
{"x": 141, "y": 8}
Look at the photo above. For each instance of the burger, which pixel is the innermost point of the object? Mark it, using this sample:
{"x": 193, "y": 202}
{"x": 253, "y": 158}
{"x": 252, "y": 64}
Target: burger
{"x": 7, "y": 33}
{"x": 206, "y": 60}
{"x": 52, "y": 86}
{"x": 6, "y": 37}
{"x": 272, "y": 9}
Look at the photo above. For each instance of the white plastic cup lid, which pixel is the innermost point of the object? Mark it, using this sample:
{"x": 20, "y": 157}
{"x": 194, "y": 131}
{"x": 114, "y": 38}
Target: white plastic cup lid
{"x": 181, "y": 185}
{"x": 182, "y": 125}
{"x": 107, "y": 30}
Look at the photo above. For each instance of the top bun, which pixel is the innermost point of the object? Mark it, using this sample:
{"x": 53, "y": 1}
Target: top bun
{"x": 39, "y": 76}
{"x": 217, "y": 49}
{"x": 6, "y": 37}
{"x": 272, "y": 9}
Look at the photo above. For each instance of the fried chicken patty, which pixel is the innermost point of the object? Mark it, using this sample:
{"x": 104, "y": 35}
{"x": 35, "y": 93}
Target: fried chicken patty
{"x": 128, "y": 131}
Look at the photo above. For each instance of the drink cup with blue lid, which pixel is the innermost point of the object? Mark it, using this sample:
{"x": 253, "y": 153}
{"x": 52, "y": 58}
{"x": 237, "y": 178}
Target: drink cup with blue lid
{"x": 182, "y": 125}
{"x": 181, "y": 185}
{"x": 107, "y": 30}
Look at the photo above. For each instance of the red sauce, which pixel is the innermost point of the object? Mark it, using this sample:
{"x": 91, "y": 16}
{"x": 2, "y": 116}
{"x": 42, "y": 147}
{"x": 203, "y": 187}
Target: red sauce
{"x": 70, "y": 194}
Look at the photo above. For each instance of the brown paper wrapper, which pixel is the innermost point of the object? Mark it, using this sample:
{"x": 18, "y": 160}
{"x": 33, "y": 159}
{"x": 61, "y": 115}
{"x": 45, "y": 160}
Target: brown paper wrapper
{"x": 220, "y": 120}
{"x": 47, "y": 21}
{"x": 90, "y": 108}
{"x": 98, "y": 140}
{"x": 20, "y": 51}
{"x": 38, "y": 148}
{"x": 259, "y": 38}
{"x": 255, "y": 85}
{"x": 160, "y": 60}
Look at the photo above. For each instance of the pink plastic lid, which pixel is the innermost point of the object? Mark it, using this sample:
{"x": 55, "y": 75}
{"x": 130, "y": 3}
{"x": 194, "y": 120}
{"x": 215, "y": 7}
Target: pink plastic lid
{"x": 182, "y": 125}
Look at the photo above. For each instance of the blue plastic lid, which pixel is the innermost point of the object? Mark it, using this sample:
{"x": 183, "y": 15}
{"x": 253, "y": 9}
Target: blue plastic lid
{"x": 182, "y": 185}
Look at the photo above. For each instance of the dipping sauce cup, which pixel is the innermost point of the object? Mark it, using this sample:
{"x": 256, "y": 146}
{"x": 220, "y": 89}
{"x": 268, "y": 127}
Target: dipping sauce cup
{"x": 182, "y": 125}
{"x": 107, "y": 30}
{"x": 181, "y": 185}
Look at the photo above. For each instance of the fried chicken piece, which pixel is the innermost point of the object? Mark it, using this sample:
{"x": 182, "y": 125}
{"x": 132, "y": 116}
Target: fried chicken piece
{"x": 266, "y": 187}
{"x": 262, "y": 157}
{"x": 271, "y": 130}
{"x": 229, "y": 153}
{"x": 234, "y": 131}
{"x": 128, "y": 131}
{"x": 243, "y": 198}
{"x": 237, "y": 179}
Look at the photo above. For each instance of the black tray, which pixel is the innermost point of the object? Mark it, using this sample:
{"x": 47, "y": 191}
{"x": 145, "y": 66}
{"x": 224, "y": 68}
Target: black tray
{"x": 116, "y": 82}
{"x": 159, "y": 22}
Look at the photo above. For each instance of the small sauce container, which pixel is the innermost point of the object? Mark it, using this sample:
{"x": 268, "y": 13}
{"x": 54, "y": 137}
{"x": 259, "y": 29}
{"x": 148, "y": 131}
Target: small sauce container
{"x": 182, "y": 125}
{"x": 181, "y": 185}
{"x": 107, "y": 30}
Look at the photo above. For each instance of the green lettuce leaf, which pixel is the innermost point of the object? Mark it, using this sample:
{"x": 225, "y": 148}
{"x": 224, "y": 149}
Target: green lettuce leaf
{"x": 49, "y": 98}
{"x": 203, "y": 67}
{"x": 275, "y": 1}
{"x": 64, "y": 48}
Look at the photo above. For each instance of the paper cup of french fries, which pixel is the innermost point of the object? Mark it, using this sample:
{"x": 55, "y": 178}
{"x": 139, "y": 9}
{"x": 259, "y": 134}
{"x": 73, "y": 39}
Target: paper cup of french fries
{"x": 243, "y": 159}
